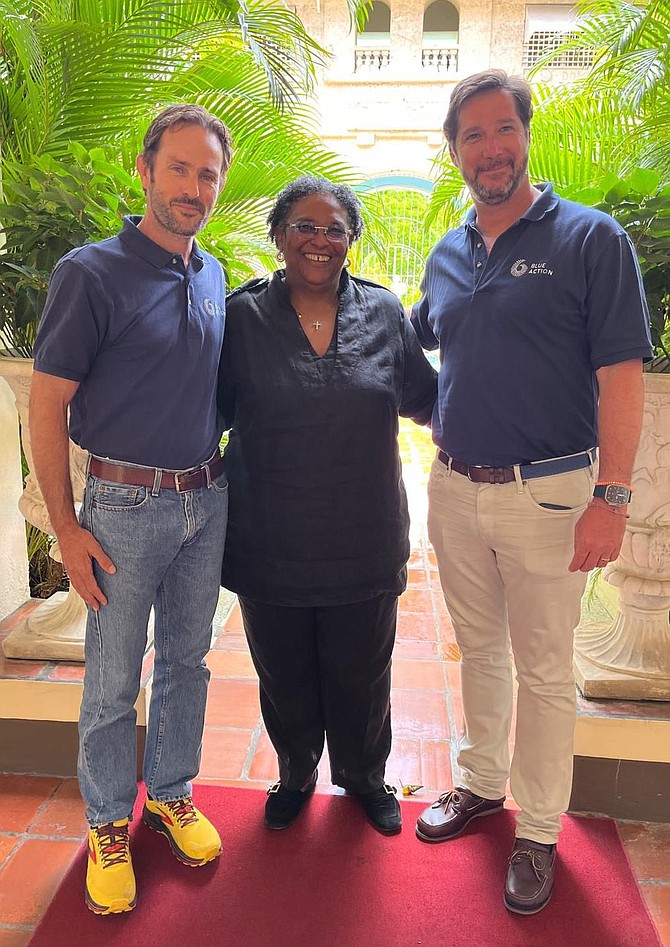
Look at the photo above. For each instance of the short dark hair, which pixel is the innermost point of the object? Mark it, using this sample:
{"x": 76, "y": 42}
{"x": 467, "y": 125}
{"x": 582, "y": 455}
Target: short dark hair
{"x": 174, "y": 116}
{"x": 304, "y": 187}
{"x": 488, "y": 81}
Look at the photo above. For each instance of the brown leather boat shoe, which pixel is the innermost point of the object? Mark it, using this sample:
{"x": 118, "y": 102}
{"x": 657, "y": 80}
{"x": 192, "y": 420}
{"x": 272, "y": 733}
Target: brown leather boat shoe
{"x": 452, "y": 812}
{"x": 530, "y": 877}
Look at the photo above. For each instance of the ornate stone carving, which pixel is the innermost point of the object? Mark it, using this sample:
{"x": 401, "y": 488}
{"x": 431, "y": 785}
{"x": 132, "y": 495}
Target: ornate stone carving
{"x": 630, "y": 658}
{"x": 55, "y": 629}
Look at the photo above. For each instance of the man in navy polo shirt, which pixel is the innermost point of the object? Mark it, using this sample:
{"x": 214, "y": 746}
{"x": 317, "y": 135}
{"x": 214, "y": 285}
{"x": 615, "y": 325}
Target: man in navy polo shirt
{"x": 537, "y": 306}
{"x": 129, "y": 345}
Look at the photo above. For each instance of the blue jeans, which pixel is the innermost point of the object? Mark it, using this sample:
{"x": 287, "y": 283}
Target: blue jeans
{"x": 167, "y": 549}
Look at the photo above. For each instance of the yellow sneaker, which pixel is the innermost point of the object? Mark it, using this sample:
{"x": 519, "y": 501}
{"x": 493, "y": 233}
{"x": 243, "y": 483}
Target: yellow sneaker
{"x": 192, "y": 837}
{"x": 110, "y": 881}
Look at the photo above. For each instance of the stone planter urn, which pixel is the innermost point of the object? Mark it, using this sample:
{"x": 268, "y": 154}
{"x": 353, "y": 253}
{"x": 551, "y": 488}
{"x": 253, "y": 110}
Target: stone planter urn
{"x": 629, "y": 658}
{"x": 55, "y": 629}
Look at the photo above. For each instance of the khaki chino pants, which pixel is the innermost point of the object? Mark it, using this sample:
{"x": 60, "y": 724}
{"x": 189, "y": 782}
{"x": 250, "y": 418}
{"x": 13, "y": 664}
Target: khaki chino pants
{"x": 503, "y": 561}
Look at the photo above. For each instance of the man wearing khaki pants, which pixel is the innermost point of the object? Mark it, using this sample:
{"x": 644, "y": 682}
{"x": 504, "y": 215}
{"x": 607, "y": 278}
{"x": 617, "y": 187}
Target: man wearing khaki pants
{"x": 536, "y": 304}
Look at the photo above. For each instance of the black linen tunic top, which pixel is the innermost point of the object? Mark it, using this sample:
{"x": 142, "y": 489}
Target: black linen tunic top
{"x": 318, "y": 512}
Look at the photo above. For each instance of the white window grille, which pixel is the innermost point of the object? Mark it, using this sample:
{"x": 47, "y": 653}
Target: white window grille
{"x": 548, "y": 26}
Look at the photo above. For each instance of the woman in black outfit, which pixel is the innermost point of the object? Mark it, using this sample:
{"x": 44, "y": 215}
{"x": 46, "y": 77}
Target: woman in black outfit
{"x": 317, "y": 366}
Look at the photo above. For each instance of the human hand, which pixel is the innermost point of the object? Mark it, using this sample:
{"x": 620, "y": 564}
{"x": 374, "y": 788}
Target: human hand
{"x": 78, "y": 549}
{"x": 599, "y": 534}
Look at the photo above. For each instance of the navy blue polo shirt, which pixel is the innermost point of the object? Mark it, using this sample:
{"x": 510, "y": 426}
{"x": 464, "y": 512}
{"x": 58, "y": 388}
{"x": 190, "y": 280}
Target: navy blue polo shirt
{"x": 523, "y": 330}
{"x": 142, "y": 335}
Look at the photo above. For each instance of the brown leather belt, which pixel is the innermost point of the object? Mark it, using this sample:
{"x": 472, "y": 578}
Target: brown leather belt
{"x": 145, "y": 476}
{"x": 542, "y": 468}
{"x": 479, "y": 474}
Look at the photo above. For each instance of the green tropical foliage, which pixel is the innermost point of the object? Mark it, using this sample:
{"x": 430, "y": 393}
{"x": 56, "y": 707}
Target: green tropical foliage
{"x": 80, "y": 81}
{"x": 605, "y": 140}
{"x": 50, "y": 206}
{"x": 631, "y": 73}
{"x": 393, "y": 250}
{"x": 642, "y": 206}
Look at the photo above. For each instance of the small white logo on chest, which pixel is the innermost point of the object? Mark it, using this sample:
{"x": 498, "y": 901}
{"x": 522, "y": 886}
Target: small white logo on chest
{"x": 520, "y": 268}
{"x": 211, "y": 308}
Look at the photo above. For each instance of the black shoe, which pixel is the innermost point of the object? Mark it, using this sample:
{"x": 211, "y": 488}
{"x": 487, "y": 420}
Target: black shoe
{"x": 382, "y": 809}
{"x": 283, "y": 805}
{"x": 530, "y": 877}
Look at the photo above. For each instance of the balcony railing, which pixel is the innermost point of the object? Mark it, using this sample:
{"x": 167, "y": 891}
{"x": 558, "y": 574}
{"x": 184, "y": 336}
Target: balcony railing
{"x": 370, "y": 59}
{"x": 440, "y": 59}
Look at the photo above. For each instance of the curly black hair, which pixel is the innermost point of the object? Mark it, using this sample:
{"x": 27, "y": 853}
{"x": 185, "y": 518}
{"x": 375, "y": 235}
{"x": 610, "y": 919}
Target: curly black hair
{"x": 304, "y": 187}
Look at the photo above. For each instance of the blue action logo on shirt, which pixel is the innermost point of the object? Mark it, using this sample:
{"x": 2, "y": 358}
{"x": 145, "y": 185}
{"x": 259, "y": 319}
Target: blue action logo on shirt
{"x": 212, "y": 308}
{"x": 520, "y": 268}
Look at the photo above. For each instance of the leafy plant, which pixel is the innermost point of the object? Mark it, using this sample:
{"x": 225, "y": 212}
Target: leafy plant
{"x": 79, "y": 82}
{"x": 630, "y": 73}
{"x": 46, "y": 576}
{"x": 49, "y": 207}
{"x": 642, "y": 206}
{"x": 604, "y": 141}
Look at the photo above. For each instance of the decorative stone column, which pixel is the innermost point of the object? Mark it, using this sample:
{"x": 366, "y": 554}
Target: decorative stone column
{"x": 55, "y": 628}
{"x": 630, "y": 657}
{"x": 14, "y": 588}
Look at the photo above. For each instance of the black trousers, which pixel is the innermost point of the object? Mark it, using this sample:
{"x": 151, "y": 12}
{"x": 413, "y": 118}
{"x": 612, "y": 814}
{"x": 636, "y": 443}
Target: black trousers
{"x": 326, "y": 672}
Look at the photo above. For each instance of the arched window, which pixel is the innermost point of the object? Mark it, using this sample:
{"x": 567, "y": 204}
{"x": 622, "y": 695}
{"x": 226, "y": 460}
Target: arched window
{"x": 373, "y": 43}
{"x": 440, "y": 36}
{"x": 379, "y": 20}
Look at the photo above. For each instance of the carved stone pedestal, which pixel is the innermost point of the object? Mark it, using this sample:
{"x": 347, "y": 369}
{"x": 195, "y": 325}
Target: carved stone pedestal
{"x": 630, "y": 657}
{"x": 55, "y": 630}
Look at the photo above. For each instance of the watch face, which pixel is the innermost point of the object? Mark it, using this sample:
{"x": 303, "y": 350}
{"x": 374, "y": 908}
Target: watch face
{"x": 616, "y": 494}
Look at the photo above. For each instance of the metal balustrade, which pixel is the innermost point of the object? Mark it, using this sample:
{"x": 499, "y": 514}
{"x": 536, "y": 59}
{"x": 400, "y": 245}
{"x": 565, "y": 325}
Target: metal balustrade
{"x": 370, "y": 59}
{"x": 440, "y": 59}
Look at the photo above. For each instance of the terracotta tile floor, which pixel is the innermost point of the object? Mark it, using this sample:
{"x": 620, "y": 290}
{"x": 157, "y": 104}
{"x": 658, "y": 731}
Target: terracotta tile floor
{"x": 41, "y": 817}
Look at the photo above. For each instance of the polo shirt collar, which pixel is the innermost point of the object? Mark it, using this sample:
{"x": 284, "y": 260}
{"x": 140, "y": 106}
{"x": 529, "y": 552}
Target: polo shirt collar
{"x": 140, "y": 244}
{"x": 545, "y": 203}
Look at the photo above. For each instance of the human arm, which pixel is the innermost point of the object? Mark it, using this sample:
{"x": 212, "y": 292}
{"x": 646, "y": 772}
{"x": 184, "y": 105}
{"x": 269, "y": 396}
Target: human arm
{"x": 599, "y": 531}
{"x": 225, "y": 392}
{"x": 419, "y": 391}
{"x": 49, "y": 400}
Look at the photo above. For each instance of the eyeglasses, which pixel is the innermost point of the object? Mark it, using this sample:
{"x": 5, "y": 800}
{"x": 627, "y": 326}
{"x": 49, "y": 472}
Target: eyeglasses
{"x": 334, "y": 234}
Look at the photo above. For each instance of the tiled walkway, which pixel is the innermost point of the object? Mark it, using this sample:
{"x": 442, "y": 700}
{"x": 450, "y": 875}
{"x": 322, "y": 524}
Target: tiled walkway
{"x": 41, "y": 818}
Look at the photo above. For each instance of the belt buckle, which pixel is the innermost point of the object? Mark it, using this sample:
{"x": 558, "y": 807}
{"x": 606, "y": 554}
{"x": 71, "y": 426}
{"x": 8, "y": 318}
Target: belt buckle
{"x": 496, "y": 474}
{"x": 178, "y": 484}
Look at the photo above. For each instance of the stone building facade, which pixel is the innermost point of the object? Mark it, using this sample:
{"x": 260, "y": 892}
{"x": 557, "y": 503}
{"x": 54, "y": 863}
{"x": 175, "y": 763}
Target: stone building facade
{"x": 384, "y": 94}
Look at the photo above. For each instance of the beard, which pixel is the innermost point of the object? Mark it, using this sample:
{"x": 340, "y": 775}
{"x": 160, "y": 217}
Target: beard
{"x": 498, "y": 194}
{"x": 171, "y": 220}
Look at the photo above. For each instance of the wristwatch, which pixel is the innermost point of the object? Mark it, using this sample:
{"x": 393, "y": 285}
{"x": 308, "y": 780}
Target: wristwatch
{"x": 616, "y": 494}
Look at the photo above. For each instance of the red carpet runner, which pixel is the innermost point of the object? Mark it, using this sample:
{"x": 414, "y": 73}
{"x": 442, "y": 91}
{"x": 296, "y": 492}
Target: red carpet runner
{"x": 331, "y": 881}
